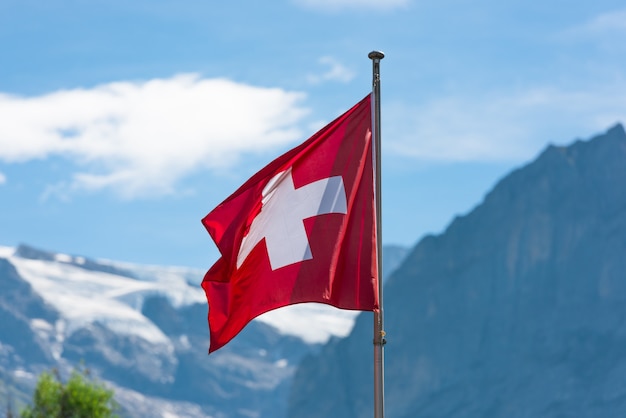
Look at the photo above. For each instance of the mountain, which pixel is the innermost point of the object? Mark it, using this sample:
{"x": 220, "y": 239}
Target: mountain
{"x": 143, "y": 331}
{"x": 393, "y": 255}
{"x": 517, "y": 310}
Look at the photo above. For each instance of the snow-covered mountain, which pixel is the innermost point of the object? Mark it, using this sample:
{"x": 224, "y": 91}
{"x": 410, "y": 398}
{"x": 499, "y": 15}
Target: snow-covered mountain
{"x": 143, "y": 330}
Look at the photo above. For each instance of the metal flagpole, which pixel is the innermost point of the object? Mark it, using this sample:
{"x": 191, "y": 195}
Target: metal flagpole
{"x": 379, "y": 333}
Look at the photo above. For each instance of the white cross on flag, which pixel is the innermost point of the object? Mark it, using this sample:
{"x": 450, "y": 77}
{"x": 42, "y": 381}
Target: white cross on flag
{"x": 300, "y": 230}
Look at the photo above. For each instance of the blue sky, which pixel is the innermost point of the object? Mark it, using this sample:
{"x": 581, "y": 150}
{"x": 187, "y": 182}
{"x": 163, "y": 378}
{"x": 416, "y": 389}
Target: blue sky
{"x": 123, "y": 123}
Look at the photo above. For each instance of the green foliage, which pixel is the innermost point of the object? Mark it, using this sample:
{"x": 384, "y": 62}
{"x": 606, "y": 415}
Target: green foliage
{"x": 80, "y": 397}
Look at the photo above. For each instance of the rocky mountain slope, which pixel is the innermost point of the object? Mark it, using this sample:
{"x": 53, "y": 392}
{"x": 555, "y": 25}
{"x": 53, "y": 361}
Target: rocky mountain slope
{"x": 517, "y": 310}
{"x": 143, "y": 330}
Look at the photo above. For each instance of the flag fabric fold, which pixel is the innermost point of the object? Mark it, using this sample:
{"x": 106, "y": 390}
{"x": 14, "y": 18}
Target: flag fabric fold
{"x": 300, "y": 230}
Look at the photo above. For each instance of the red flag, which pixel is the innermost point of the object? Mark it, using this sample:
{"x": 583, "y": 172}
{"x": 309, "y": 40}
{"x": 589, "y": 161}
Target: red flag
{"x": 300, "y": 230}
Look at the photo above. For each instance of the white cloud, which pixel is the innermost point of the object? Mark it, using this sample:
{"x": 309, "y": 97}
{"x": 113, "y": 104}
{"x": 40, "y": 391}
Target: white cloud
{"x": 606, "y": 30}
{"x": 140, "y": 138}
{"x": 614, "y": 21}
{"x": 512, "y": 126}
{"x": 339, "y": 5}
{"x": 335, "y": 72}
{"x": 3, "y": 179}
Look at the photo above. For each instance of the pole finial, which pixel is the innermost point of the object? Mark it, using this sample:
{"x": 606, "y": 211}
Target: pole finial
{"x": 376, "y": 55}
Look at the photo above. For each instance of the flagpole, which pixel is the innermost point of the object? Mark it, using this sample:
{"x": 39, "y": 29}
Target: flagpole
{"x": 379, "y": 333}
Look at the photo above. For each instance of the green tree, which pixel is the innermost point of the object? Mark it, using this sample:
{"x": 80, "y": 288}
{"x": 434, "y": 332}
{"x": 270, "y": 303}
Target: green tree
{"x": 80, "y": 397}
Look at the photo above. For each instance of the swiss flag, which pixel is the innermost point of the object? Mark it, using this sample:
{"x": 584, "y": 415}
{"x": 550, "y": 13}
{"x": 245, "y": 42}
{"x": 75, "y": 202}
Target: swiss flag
{"x": 300, "y": 230}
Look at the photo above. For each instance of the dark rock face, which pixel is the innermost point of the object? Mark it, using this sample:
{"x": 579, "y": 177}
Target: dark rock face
{"x": 126, "y": 359}
{"x": 18, "y": 306}
{"x": 238, "y": 380}
{"x": 517, "y": 310}
{"x": 17, "y": 295}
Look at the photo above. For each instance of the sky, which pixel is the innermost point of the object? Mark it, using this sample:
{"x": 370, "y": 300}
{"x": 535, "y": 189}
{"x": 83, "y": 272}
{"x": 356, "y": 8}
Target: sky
{"x": 122, "y": 123}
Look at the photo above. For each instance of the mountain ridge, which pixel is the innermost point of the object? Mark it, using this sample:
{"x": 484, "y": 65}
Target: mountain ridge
{"x": 143, "y": 331}
{"x": 515, "y": 310}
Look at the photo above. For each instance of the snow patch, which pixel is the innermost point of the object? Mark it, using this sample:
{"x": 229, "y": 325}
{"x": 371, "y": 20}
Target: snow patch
{"x": 23, "y": 374}
{"x": 84, "y": 297}
{"x": 39, "y": 324}
{"x": 63, "y": 258}
{"x": 6, "y": 252}
{"x": 313, "y": 322}
{"x": 282, "y": 363}
{"x": 48, "y": 332}
{"x": 173, "y": 282}
{"x": 184, "y": 341}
